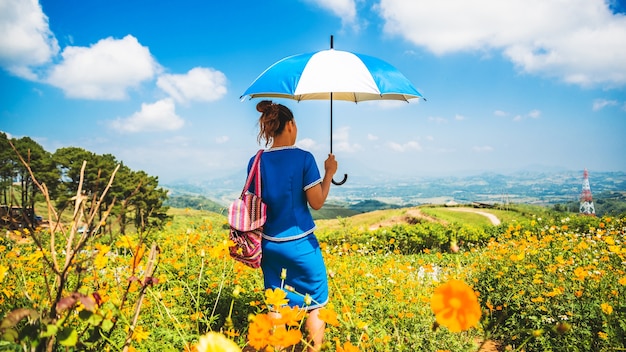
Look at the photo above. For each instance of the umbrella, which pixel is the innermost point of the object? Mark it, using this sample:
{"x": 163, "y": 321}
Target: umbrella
{"x": 332, "y": 75}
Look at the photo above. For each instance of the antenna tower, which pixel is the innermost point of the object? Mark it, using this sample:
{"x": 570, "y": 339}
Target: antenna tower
{"x": 586, "y": 200}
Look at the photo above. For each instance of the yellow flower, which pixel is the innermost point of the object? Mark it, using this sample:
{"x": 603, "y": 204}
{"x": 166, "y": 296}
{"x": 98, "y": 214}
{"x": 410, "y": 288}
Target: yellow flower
{"x": 606, "y": 308}
{"x": 276, "y": 297}
{"x": 555, "y": 292}
{"x": 3, "y": 272}
{"x": 125, "y": 241}
{"x": 455, "y": 306}
{"x": 216, "y": 342}
{"x": 615, "y": 249}
{"x": 100, "y": 262}
{"x": 603, "y": 335}
{"x": 621, "y": 281}
{"x": 139, "y": 334}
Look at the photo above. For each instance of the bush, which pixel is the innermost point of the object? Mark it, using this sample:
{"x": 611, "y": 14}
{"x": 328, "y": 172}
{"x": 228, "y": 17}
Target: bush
{"x": 556, "y": 284}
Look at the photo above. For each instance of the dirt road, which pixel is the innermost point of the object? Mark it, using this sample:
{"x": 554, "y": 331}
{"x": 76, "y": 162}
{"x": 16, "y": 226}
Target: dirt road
{"x": 494, "y": 219}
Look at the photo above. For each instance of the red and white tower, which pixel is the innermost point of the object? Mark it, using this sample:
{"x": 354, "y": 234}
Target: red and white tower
{"x": 586, "y": 200}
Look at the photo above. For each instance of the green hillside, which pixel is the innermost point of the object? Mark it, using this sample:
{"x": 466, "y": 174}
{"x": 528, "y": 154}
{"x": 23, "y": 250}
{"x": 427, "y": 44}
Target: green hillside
{"x": 194, "y": 202}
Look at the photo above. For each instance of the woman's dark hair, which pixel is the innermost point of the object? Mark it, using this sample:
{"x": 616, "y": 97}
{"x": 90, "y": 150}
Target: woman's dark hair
{"x": 273, "y": 119}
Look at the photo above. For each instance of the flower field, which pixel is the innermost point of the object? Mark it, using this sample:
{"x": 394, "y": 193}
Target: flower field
{"x": 548, "y": 283}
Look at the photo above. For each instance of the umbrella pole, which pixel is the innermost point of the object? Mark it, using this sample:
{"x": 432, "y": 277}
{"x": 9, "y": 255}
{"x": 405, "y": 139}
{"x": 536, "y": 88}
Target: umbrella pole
{"x": 345, "y": 176}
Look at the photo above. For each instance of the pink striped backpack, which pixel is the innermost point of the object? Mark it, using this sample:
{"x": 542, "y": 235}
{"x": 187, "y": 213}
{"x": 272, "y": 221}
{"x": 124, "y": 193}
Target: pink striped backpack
{"x": 246, "y": 217}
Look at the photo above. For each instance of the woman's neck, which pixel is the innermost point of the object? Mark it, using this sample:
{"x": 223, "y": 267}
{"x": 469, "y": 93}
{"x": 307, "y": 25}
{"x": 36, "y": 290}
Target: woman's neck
{"x": 282, "y": 142}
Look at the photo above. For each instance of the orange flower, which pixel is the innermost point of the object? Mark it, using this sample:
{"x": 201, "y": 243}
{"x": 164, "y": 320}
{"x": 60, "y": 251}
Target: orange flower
{"x": 259, "y": 331}
{"x": 328, "y": 316}
{"x": 285, "y": 338}
{"x": 455, "y": 306}
{"x": 289, "y": 316}
{"x": 276, "y": 297}
{"x": 347, "y": 347}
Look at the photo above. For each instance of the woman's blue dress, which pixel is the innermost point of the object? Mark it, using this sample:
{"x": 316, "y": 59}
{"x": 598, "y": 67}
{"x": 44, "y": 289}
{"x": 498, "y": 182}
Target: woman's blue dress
{"x": 289, "y": 242}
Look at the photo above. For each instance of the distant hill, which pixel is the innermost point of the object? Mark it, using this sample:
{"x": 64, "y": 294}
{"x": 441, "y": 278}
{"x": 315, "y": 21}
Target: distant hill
{"x": 547, "y": 188}
{"x": 329, "y": 211}
{"x": 333, "y": 210}
{"x": 195, "y": 202}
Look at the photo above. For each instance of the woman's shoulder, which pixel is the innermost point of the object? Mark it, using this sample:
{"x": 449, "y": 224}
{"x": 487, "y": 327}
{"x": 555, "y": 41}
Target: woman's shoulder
{"x": 289, "y": 149}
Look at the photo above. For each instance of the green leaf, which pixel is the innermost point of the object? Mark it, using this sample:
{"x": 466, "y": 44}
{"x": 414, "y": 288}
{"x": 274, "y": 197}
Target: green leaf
{"x": 85, "y": 314}
{"x": 107, "y": 325}
{"x": 68, "y": 337}
{"x": 95, "y": 319}
{"x": 10, "y": 335}
{"x": 51, "y": 330}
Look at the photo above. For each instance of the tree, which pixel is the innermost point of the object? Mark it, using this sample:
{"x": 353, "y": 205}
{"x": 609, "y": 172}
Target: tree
{"x": 7, "y": 168}
{"x": 40, "y": 161}
{"x": 149, "y": 209}
{"x": 69, "y": 162}
{"x": 135, "y": 196}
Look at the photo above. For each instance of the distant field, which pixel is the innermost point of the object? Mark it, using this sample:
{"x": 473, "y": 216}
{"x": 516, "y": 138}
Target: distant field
{"x": 389, "y": 217}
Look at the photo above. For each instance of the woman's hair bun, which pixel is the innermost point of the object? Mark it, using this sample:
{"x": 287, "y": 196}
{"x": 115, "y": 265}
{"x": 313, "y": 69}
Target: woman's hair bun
{"x": 262, "y": 106}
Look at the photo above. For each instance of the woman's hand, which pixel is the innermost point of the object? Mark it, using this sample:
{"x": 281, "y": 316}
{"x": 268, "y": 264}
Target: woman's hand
{"x": 330, "y": 166}
{"x": 317, "y": 194}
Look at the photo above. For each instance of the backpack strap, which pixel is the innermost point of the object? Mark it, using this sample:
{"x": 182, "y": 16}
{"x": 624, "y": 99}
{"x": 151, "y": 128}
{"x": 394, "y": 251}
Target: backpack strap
{"x": 255, "y": 173}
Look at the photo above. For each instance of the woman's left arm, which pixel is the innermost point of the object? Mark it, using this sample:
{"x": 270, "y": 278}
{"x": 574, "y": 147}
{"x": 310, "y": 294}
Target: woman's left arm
{"x": 316, "y": 195}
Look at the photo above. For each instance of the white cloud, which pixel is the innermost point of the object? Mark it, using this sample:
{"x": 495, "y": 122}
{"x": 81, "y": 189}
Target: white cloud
{"x": 160, "y": 116}
{"x": 199, "y": 84}
{"x": 408, "y": 146}
{"x": 458, "y": 117}
{"x": 371, "y": 137}
{"x": 500, "y": 113}
{"x": 106, "y": 70}
{"x": 579, "y": 41}
{"x": 482, "y": 149}
{"x": 26, "y": 38}
{"x": 341, "y": 141}
{"x": 222, "y": 139}
{"x": 344, "y": 9}
{"x": 600, "y": 104}
{"x": 534, "y": 114}
{"x": 437, "y": 119}
{"x": 307, "y": 144}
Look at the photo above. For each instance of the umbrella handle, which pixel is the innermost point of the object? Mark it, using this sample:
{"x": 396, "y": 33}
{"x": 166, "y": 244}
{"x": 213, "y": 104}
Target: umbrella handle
{"x": 345, "y": 178}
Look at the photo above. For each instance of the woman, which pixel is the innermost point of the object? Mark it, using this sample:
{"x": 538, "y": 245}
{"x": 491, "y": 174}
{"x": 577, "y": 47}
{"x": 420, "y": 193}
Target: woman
{"x": 290, "y": 183}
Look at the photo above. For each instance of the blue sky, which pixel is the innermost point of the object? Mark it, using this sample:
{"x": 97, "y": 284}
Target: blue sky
{"x": 510, "y": 85}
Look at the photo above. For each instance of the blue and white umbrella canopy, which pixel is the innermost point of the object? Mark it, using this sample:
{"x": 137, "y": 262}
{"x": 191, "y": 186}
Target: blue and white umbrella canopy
{"x": 332, "y": 75}
{"x": 348, "y": 76}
